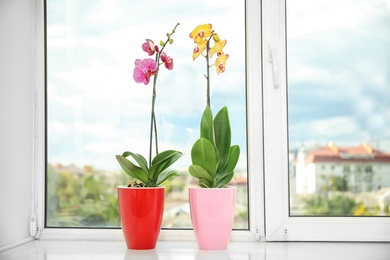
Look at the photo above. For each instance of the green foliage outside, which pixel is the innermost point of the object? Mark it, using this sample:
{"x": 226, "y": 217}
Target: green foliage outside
{"x": 78, "y": 200}
{"x": 87, "y": 199}
{"x": 333, "y": 200}
{"x": 326, "y": 204}
{"x": 338, "y": 205}
{"x": 334, "y": 183}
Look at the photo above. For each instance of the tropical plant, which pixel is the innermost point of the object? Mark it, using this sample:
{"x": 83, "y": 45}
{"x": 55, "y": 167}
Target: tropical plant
{"x": 213, "y": 157}
{"x": 155, "y": 172}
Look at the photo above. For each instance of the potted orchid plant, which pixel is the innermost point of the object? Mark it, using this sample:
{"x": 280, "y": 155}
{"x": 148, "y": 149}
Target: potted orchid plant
{"x": 213, "y": 157}
{"x": 141, "y": 203}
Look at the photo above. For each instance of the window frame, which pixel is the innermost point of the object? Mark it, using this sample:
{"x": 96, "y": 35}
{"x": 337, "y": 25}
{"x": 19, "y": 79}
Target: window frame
{"x": 267, "y": 139}
{"x": 279, "y": 225}
{"x": 254, "y": 139}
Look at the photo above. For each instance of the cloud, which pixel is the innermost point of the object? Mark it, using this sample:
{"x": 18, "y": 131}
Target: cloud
{"x": 96, "y": 110}
{"x": 333, "y": 97}
{"x": 105, "y": 11}
{"x": 341, "y": 130}
{"x": 61, "y": 36}
{"x": 338, "y": 71}
{"x": 330, "y": 15}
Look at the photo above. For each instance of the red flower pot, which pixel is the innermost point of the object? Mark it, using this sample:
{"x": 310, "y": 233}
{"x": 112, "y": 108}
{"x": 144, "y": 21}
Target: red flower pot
{"x": 141, "y": 212}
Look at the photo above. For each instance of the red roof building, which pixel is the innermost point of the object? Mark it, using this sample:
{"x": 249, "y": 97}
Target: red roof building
{"x": 362, "y": 168}
{"x": 356, "y": 154}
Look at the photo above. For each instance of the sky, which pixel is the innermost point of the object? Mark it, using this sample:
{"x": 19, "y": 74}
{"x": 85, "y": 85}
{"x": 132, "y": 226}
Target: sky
{"x": 96, "y": 110}
{"x": 338, "y": 76}
{"x": 339, "y": 72}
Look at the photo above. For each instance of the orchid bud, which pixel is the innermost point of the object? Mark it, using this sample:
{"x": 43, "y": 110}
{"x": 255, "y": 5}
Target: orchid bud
{"x": 170, "y": 41}
{"x": 216, "y": 37}
{"x": 161, "y": 43}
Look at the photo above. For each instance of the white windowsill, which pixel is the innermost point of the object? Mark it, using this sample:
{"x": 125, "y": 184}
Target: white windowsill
{"x": 87, "y": 249}
{"x": 116, "y": 234}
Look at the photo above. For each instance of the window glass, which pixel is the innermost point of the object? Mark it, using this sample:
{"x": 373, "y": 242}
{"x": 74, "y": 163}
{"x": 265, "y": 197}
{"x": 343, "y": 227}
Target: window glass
{"x": 95, "y": 110}
{"x": 338, "y": 60}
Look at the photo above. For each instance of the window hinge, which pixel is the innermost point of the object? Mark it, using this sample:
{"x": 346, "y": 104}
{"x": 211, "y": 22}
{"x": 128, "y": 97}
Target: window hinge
{"x": 38, "y": 233}
{"x": 34, "y": 228}
{"x": 33, "y": 225}
{"x": 257, "y": 233}
{"x": 285, "y": 234}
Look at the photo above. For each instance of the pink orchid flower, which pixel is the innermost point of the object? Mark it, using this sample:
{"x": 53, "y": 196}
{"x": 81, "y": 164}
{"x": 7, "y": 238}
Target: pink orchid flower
{"x": 149, "y": 47}
{"x": 168, "y": 61}
{"x": 144, "y": 69}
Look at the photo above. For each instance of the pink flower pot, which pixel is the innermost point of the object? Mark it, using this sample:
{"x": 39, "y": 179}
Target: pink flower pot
{"x": 141, "y": 212}
{"x": 212, "y": 215}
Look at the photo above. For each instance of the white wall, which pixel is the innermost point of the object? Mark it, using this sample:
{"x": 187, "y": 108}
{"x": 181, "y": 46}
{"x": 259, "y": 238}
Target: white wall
{"x": 16, "y": 119}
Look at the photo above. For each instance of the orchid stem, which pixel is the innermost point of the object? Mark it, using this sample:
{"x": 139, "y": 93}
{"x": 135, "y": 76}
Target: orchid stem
{"x": 155, "y": 133}
{"x": 208, "y": 70}
{"x": 208, "y": 74}
{"x": 153, "y": 124}
{"x": 153, "y": 121}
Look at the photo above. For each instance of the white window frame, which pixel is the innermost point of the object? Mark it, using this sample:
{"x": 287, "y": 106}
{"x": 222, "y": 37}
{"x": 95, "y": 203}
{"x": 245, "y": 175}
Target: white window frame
{"x": 279, "y": 225}
{"x": 255, "y": 142}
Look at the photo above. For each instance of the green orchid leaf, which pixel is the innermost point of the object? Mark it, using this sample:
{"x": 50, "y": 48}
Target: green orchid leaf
{"x": 163, "y": 156}
{"x": 222, "y": 136}
{"x": 234, "y": 155}
{"x": 224, "y": 180}
{"x": 138, "y": 158}
{"x": 126, "y": 154}
{"x": 203, "y": 155}
{"x": 162, "y": 161}
{"x": 206, "y": 125}
{"x": 203, "y": 183}
{"x": 225, "y": 176}
{"x": 165, "y": 176}
{"x": 132, "y": 170}
{"x": 200, "y": 173}
{"x": 213, "y": 159}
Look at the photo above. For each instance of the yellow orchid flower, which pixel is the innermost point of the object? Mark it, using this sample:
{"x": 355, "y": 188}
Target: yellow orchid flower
{"x": 199, "y": 48}
{"x": 218, "y": 47}
{"x": 201, "y": 32}
{"x": 220, "y": 62}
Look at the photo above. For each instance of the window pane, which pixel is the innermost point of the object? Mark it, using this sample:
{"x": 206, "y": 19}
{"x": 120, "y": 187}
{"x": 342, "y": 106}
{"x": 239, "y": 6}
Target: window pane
{"x": 95, "y": 110}
{"x": 338, "y": 107}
